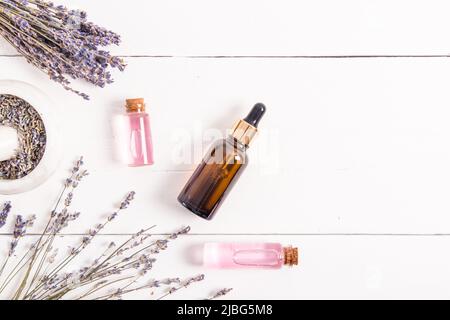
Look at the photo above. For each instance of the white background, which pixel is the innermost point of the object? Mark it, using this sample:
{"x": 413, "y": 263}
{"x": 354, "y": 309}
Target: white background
{"x": 353, "y": 162}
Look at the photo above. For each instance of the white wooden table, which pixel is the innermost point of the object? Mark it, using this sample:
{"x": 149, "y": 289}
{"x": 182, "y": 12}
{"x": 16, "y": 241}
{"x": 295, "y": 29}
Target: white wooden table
{"x": 353, "y": 163}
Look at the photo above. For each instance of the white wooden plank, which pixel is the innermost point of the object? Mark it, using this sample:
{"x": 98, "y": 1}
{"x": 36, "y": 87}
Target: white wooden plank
{"x": 348, "y": 146}
{"x": 331, "y": 268}
{"x": 268, "y": 27}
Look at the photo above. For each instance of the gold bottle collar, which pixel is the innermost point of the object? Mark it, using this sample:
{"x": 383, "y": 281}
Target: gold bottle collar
{"x": 244, "y": 132}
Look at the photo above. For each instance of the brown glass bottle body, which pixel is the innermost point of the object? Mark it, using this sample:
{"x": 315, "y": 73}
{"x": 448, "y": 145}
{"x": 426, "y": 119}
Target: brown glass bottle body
{"x": 214, "y": 178}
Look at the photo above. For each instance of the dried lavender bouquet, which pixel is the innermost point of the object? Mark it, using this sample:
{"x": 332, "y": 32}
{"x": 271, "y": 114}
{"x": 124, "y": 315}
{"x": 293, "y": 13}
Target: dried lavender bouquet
{"x": 42, "y": 273}
{"x": 60, "y": 42}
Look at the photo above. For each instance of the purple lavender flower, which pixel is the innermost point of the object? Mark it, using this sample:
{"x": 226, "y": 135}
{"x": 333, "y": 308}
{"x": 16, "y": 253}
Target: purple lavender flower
{"x": 221, "y": 293}
{"x": 125, "y": 203}
{"x": 181, "y": 232}
{"x": 60, "y": 42}
{"x": 184, "y": 284}
{"x": 4, "y": 213}
{"x": 20, "y": 229}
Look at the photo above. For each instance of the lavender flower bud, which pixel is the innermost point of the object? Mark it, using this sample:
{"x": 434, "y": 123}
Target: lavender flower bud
{"x": 4, "y": 213}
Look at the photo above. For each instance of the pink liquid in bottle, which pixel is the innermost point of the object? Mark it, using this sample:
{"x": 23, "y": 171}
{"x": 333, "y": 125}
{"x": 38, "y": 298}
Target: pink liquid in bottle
{"x": 139, "y": 146}
{"x": 250, "y": 255}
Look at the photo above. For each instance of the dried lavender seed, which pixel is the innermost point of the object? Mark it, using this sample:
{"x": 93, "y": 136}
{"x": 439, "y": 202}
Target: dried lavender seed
{"x": 21, "y": 116}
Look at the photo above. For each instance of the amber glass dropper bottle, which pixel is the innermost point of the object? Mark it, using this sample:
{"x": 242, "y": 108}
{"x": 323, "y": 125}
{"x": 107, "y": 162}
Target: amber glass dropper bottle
{"x": 221, "y": 168}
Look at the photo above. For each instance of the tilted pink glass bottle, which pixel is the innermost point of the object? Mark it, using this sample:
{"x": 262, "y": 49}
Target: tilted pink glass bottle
{"x": 249, "y": 255}
{"x": 138, "y": 144}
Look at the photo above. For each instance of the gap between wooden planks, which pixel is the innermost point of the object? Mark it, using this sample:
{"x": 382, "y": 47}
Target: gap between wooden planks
{"x": 256, "y": 234}
{"x": 268, "y": 56}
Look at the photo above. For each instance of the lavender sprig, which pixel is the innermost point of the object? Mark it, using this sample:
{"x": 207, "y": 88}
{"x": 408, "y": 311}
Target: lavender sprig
{"x": 20, "y": 229}
{"x": 220, "y": 294}
{"x": 3, "y": 217}
{"x": 60, "y": 42}
{"x": 183, "y": 285}
{"x": 4, "y": 213}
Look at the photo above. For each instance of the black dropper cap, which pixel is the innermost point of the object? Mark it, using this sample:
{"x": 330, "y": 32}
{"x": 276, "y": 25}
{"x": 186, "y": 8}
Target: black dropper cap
{"x": 255, "y": 116}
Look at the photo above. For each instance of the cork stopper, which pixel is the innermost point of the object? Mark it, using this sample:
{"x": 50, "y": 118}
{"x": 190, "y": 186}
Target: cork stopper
{"x": 291, "y": 256}
{"x": 135, "y": 105}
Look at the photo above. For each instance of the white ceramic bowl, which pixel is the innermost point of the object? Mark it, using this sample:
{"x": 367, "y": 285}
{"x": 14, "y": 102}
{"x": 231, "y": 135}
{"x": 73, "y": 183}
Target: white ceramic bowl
{"x": 53, "y": 152}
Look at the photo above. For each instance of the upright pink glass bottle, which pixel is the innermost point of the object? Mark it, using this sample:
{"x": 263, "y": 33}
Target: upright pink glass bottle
{"x": 138, "y": 144}
{"x": 250, "y": 255}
